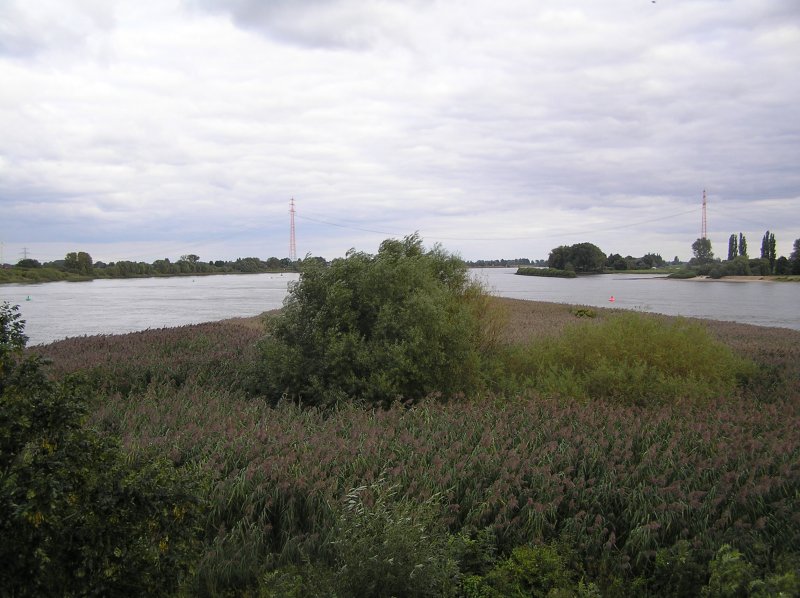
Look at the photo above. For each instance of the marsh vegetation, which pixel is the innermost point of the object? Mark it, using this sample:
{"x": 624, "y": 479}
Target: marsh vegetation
{"x": 567, "y": 452}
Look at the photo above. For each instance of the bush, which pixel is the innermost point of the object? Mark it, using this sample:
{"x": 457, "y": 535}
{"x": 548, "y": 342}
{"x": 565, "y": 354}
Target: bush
{"x": 683, "y": 274}
{"x": 381, "y": 544}
{"x": 402, "y": 324}
{"x": 530, "y": 571}
{"x": 546, "y": 272}
{"x": 629, "y": 358}
{"x": 733, "y": 576}
{"x": 77, "y": 516}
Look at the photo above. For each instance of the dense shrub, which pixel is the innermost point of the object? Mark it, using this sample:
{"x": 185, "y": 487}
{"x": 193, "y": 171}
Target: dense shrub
{"x": 380, "y": 544}
{"x": 547, "y": 272}
{"x": 212, "y": 354}
{"x": 77, "y": 517}
{"x": 637, "y": 500}
{"x": 629, "y": 358}
{"x": 683, "y": 274}
{"x": 535, "y": 571}
{"x": 401, "y": 324}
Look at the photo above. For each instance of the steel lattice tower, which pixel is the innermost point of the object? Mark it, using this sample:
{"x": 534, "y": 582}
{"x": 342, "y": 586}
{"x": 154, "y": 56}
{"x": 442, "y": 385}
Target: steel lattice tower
{"x": 292, "y": 240}
{"x": 703, "y": 232}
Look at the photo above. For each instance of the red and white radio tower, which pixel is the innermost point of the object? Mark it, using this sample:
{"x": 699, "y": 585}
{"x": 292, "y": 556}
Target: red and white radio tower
{"x": 703, "y": 232}
{"x": 292, "y": 242}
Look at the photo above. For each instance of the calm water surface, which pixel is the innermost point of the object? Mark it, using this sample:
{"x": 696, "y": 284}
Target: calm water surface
{"x": 753, "y": 302}
{"x": 63, "y": 309}
{"x": 57, "y": 310}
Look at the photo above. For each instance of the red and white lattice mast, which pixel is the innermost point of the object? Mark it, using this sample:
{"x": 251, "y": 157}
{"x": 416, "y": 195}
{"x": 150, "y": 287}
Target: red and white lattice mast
{"x": 292, "y": 241}
{"x": 704, "y": 231}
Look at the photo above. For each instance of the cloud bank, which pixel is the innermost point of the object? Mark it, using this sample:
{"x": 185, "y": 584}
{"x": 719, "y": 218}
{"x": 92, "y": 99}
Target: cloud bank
{"x": 149, "y": 129}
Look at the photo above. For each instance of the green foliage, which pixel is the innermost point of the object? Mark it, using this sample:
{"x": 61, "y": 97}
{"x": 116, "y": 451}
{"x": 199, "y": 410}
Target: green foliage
{"x": 794, "y": 257}
{"x": 381, "y": 544}
{"x": 547, "y": 272}
{"x": 768, "y": 250}
{"x": 77, "y": 516}
{"x": 702, "y": 251}
{"x": 581, "y": 257}
{"x": 384, "y": 544}
{"x": 739, "y": 266}
{"x": 683, "y": 274}
{"x": 535, "y": 571}
{"x": 678, "y": 571}
{"x": 760, "y": 267}
{"x": 733, "y": 247}
{"x": 635, "y": 499}
{"x": 732, "y": 576}
{"x": 12, "y": 338}
{"x": 79, "y": 263}
{"x": 28, "y": 263}
{"x": 401, "y": 324}
{"x": 584, "y": 312}
{"x": 632, "y": 359}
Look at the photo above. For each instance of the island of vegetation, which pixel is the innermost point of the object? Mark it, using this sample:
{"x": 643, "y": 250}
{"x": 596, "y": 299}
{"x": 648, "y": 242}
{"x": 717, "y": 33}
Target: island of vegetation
{"x": 566, "y": 261}
{"x": 396, "y": 431}
{"x": 78, "y": 266}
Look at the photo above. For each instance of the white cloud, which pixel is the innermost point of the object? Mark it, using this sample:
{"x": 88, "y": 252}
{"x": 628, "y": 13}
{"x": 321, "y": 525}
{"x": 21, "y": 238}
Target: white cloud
{"x": 529, "y": 124}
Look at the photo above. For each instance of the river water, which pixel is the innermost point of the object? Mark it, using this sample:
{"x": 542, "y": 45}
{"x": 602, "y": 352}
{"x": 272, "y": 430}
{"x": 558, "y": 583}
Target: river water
{"x": 58, "y": 310}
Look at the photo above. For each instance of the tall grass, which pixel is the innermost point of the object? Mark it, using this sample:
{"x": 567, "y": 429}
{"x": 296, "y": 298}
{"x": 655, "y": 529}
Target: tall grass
{"x": 630, "y": 358}
{"x": 618, "y": 483}
{"x": 643, "y": 489}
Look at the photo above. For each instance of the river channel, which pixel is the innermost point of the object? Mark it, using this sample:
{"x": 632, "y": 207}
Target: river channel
{"x": 59, "y": 310}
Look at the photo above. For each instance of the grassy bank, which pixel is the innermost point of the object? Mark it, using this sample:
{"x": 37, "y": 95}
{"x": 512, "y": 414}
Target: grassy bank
{"x": 33, "y": 275}
{"x": 475, "y": 497}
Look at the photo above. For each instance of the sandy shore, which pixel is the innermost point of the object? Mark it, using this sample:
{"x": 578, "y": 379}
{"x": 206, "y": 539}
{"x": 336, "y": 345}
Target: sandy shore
{"x": 733, "y": 279}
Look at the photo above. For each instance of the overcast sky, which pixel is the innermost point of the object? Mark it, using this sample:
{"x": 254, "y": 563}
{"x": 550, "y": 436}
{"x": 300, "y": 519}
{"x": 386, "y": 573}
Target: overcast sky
{"x": 143, "y": 129}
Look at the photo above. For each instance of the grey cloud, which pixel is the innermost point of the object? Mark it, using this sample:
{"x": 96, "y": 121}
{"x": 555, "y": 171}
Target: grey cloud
{"x": 347, "y": 24}
{"x": 30, "y": 28}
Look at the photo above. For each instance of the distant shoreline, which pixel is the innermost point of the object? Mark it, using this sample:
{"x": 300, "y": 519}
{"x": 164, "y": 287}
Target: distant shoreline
{"x": 742, "y": 279}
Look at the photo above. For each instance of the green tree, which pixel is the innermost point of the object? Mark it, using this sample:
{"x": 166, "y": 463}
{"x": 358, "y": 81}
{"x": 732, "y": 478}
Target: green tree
{"x": 772, "y": 254}
{"x": 78, "y": 263}
{"x": 783, "y": 266}
{"x": 28, "y": 263}
{"x": 616, "y": 262}
{"x": 78, "y": 516}
{"x": 768, "y": 249}
{"x": 653, "y": 260}
{"x": 559, "y": 257}
{"x": 12, "y": 339}
{"x": 795, "y": 257}
{"x": 163, "y": 266}
{"x": 582, "y": 257}
{"x": 742, "y": 245}
{"x": 400, "y": 324}
{"x": 733, "y": 247}
{"x": 702, "y": 251}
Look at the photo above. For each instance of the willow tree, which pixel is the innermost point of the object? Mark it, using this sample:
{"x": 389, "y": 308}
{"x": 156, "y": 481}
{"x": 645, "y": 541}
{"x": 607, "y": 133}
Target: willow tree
{"x": 402, "y": 324}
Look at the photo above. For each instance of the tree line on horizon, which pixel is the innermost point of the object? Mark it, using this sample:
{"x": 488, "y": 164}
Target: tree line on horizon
{"x": 739, "y": 263}
{"x": 578, "y": 258}
{"x": 80, "y": 263}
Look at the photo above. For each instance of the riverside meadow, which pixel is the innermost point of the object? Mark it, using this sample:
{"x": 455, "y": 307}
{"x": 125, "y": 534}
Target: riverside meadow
{"x": 468, "y": 497}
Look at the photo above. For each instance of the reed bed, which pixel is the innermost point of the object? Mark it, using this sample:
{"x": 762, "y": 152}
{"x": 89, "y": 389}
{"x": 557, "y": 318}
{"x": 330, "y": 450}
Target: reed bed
{"x": 213, "y": 353}
{"x": 618, "y": 484}
{"x": 622, "y": 486}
